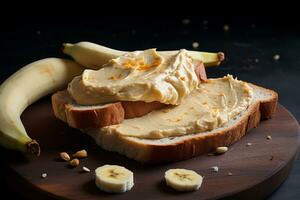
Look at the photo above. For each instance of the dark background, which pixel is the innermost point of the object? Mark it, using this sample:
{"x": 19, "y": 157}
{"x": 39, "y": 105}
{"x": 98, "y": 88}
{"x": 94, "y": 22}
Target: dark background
{"x": 249, "y": 45}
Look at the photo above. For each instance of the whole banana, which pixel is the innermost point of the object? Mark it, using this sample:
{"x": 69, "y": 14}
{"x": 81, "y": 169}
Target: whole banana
{"x": 94, "y": 56}
{"x": 24, "y": 87}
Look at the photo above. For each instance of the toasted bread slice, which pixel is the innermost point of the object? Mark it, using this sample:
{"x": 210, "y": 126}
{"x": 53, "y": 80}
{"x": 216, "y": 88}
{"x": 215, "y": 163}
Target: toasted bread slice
{"x": 78, "y": 116}
{"x": 97, "y": 116}
{"x": 184, "y": 147}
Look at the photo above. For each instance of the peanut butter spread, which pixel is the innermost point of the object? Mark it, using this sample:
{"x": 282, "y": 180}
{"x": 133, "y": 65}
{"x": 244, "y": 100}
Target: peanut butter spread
{"x": 138, "y": 76}
{"x": 210, "y": 106}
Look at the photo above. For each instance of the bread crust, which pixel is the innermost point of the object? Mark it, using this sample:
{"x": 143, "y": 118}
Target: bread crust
{"x": 110, "y": 114}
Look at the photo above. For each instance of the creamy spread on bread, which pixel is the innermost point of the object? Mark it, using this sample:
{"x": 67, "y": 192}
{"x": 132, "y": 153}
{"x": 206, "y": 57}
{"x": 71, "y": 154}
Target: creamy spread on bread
{"x": 138, "y": 76}
{"x": 210, "y": 106}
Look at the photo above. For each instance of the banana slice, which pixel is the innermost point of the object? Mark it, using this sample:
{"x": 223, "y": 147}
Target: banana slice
{"x": 183, "y": 179}
{"x": 114, "y": 179}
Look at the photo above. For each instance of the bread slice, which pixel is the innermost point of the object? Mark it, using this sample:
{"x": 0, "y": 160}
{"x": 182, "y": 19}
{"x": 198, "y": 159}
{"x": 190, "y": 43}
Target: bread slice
{"x": 188, "y": 146}
{"x": 97, "y": 116}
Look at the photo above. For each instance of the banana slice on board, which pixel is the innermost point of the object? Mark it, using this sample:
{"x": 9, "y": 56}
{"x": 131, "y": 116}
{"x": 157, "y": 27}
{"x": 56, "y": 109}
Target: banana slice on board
{"x": 183, "y": 179}
{"x": 114, "y": 179}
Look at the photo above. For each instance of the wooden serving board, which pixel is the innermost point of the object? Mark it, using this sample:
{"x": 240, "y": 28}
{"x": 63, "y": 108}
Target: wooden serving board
{"x": 257, "y": 170}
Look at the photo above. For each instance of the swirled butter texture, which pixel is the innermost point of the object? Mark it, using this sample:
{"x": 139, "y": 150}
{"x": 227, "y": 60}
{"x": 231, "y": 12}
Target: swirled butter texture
{"x": 212, "y": 105}
{"x": 138, "y": 76}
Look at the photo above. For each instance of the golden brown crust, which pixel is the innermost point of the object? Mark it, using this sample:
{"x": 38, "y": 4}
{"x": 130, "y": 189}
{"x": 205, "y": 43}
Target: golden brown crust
{"x": 94, "y": 118}
{"x": 268, "y": 108}
{"x": 59, "y": 101}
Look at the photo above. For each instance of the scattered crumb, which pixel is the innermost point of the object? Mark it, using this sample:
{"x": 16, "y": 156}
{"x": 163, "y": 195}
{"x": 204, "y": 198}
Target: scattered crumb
{"x": 44, "y": 175}
{"x": 252, "y": 25}
{"x": 86, "y": 169}
{"x": 205, "y": 22}
{"x": 229, "y": 174}
{"x": 276, "y": 57}
{"x": 248, "y": 144}
{"x": 210, "y": 154}
{"x": 269, "y": 137}
{"x": 195, "y": 45}
{"x": 186, "y": 21}
{"x": 271, "y": 157}
{"x": 226, "y": 27}
{"x": 256, "y": 60}
{"x": 221, "y": 150}
{"x": 215, "y": 168}
{"x": 38, "y": 32}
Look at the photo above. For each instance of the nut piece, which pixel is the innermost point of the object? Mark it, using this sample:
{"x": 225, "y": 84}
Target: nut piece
{"x": 80, "y": 154}
{"x": 74, "y": 162}
{"x": 64, "y": 156}
{"x": 221, "y": 150}
{"x": 85, "y": 169}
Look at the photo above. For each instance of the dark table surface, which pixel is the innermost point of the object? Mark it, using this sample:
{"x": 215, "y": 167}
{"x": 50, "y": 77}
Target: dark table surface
{"x": 250, "y": 45}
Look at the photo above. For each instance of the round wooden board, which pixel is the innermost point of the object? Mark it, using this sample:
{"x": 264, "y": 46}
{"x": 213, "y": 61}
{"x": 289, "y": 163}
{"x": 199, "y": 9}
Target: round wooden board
{"x": 257, "y": 170}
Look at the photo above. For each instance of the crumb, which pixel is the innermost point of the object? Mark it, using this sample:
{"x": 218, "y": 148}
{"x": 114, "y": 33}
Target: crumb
{"x": 38, "y": 32}
{"x": 215, "y": 168}
{"x": 276, "y": 57}
{"x": 186, "y": 21}
{"x": 252, "y": 25}
{"x": 44, "y": 175}
{"x": 248, "y": 144}
{"x": 195, "y": 45}
{"x": 229, "y": 174}
{"x": 226, "y": 27}
{"x": 205, "y": 22}
{"x": 133, "y": 31}
{"x": 221, "y": 150}
{"x": 85, "y": 169}
{"x": 256, "y": 60}
{"x": 269, "y": 137}
{"x": 210, "y": 154}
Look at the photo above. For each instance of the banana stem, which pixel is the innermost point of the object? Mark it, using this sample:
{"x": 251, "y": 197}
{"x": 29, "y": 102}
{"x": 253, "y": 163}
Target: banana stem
{"x": 34, "y": 147}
